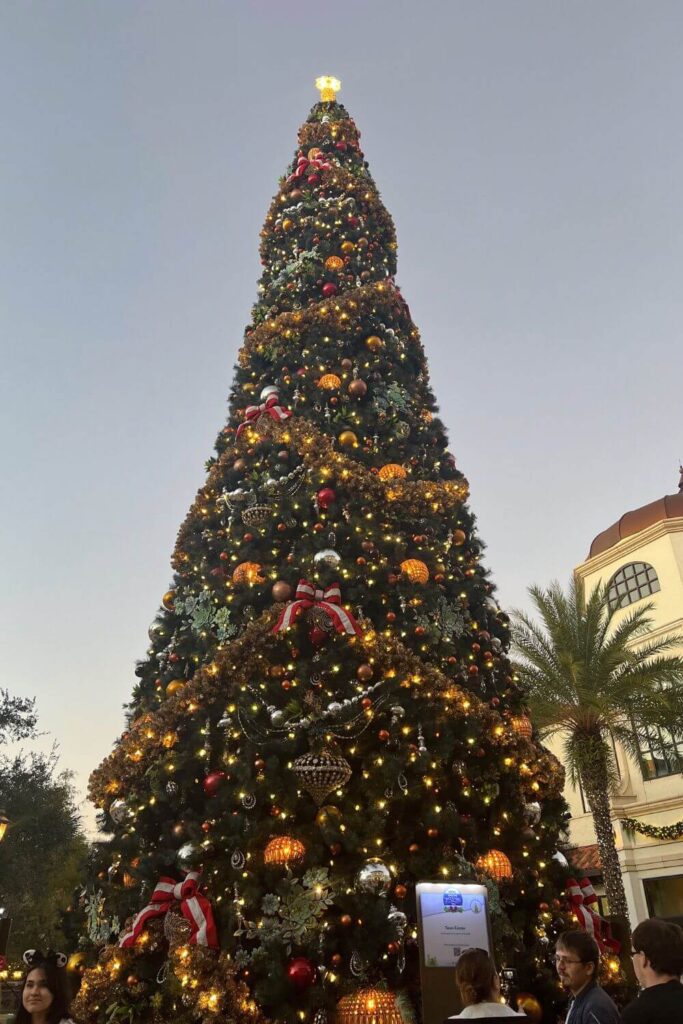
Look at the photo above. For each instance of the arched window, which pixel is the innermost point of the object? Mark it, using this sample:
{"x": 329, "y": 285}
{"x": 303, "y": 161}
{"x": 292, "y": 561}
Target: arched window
{"x": 632, "y": 583}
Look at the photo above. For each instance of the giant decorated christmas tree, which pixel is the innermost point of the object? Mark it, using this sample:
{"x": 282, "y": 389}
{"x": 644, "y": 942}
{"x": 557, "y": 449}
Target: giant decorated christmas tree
{"x": 326, "y": 714}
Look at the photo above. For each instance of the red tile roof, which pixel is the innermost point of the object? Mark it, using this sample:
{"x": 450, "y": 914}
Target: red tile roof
{"x": 586, "y": 859}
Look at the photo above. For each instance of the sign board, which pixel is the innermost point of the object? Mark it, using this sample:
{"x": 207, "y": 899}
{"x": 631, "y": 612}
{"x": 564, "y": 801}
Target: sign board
{"x": 451, "y": 917}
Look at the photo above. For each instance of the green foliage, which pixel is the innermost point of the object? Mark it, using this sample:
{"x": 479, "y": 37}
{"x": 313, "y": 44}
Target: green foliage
{"x": 591, "y": 673}
{"x": 17, "y": 717}
{"x": 43, "y": 853}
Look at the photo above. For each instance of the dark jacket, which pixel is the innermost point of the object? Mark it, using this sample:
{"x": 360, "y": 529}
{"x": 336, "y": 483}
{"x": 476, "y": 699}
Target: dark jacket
{"x": 659, "y": 1004}
{"x": 592, "y": 1006}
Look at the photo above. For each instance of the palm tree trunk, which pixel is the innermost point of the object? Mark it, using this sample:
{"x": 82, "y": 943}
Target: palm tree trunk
{"x": 594, "y": 779}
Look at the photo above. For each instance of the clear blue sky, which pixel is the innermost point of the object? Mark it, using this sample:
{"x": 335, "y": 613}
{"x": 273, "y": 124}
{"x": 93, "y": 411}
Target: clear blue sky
{"x": 531, "y": 155}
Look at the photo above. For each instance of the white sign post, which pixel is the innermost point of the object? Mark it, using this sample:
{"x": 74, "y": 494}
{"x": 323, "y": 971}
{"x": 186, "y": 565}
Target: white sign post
{"x": 451, "y": 917}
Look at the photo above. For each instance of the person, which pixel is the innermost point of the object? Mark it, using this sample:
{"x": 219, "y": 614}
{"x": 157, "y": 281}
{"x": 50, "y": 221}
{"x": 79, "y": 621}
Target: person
{"x": 43, "y": 998}
{"x": 577, "y": 959}
{"x": 658, "y": 962}
{"x": 479, "y": 985}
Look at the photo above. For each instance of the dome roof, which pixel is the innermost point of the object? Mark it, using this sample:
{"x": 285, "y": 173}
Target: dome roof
{"x": 668, "y": 507}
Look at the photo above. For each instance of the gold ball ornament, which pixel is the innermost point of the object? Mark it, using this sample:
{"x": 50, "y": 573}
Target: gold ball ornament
{"x": 392, "y": 471}
{"x": 175, "y": 686}
{"x": 284, "y": 850}
{"x": 334, "y": 263}
{"x": 529, "y": 1004}
{"x": 347, "y": 439}
{"x": 347, "y": 247}
{"x": 248, "y": 572}
{"x": 415, "y": 570}
{"x": 459, "y": 537}
{"x": 374, "y": 343}
{"x": 496, "y": 864}
{"x": 328, "y": 817}
{"x": 329, "y": 382}
{"x": 368, "y": 1006}
{"x": 287, "y": 224}
{"x": 167, "y": 600}
{"x": 521, "y": 725}
{"x": 76, "y": 963}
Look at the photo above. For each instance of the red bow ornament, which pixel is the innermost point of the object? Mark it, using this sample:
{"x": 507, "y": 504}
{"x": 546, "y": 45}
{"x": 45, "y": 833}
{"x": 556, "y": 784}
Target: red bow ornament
{"x": 271, "y": 407}
{"x": 328, "y": 600}
{"x": 194, "y": 907}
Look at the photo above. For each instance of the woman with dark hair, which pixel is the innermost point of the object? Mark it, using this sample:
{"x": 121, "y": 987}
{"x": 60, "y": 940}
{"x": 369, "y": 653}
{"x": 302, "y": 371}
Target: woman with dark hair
{"x": 479, "y": 985}
{"x": 44, "y": 998}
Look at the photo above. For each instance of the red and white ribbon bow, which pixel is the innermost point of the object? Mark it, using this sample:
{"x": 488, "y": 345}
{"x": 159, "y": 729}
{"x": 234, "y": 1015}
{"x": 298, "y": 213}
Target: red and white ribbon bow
{"x": 329, "y": 600}
{"x": 271, "y": 407}
{"x": 306, "y": 166}
{"x": 195, "y": 908}
{"x": 584, "y": 901}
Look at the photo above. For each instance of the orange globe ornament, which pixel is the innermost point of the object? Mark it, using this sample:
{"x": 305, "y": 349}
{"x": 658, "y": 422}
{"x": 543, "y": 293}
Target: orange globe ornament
{"x": 392, "y": 471}
{"x": 167, "y": 600}
{"x": 496, "y": 864}
{"x": 329, "y": 382}
{"x": 368, "y": 1006}
{"x": 284, "y": 850}
{"x": 415, "y": 570}
{"x": 248, "y": 572}
{"x": 522, "y": 726}
{"x": 334, "y": 263}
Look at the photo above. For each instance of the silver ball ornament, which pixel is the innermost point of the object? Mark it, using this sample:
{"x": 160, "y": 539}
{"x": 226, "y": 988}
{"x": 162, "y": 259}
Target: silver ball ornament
{"x": 399, "y": 920}
{"x": 328, "y": 557}
{"x": 118, "y": 811}
{"x": 373, "y": 878}
{"x": 188, "y": 856}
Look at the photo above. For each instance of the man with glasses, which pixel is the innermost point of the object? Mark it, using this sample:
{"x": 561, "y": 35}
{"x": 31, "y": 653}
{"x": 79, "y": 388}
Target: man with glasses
{"x": 658, "y": 963}
{"x": 577, "y": 959}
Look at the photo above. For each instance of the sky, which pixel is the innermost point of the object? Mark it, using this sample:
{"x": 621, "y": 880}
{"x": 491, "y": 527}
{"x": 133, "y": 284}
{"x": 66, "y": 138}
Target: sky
{"x": 531, "y": 156}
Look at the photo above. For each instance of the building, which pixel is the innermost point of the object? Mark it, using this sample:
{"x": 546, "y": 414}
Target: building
{"x": 641, "y": 556}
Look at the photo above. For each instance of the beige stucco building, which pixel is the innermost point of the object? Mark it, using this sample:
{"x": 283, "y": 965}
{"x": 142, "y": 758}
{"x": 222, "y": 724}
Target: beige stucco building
{"x": 641, "y": 556}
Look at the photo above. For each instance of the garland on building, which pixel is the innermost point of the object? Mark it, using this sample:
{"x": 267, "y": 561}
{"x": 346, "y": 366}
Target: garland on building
{"x": 672, "y": 831}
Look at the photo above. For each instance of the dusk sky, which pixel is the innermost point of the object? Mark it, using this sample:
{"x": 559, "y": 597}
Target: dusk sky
{"x": 531, "y": 156}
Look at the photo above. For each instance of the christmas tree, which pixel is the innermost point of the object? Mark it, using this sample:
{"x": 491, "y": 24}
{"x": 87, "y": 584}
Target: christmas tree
{"x": 326, "y": 714}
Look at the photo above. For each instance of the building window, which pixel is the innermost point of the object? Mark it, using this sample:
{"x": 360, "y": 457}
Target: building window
{"x": 665, "y": 897}
{"x": 632, "y": 583}
{"x": 660, "y": 754}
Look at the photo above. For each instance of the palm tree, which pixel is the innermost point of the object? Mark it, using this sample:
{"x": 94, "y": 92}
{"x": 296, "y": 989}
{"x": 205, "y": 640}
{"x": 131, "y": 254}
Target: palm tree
{"x": 591, "y": 674}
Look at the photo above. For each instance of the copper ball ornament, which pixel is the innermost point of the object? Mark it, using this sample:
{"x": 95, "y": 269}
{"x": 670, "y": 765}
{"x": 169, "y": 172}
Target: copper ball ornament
{"x": 357, "y": 388}
{"x": 281, "y": 591}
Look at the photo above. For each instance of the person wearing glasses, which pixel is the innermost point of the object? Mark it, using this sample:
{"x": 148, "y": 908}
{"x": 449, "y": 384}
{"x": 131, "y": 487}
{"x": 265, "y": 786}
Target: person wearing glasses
{"x": 658, "y": 963}
{"x": 577, "y": 959}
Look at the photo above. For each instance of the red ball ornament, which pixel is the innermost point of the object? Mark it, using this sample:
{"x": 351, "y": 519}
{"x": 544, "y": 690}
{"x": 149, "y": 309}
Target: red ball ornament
{"x": 212, "y": 782}
{"x": 329, "y": 290}
{"x": 326, "y": 497}
{"x": 317, "y": 636}
{"x": 301, "y": 972}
